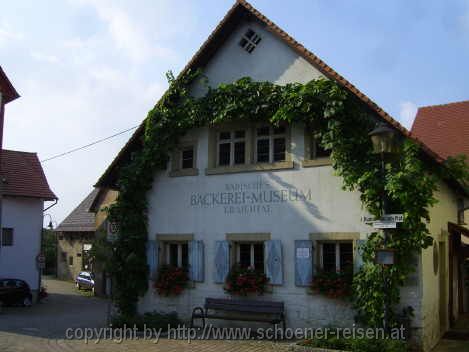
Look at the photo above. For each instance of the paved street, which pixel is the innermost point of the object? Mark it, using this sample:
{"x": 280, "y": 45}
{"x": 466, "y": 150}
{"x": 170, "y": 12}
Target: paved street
{"x": 42, "y": 328}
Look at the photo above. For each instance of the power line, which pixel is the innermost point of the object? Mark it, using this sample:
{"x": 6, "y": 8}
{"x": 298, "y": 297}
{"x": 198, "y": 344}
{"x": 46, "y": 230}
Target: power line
{"x": 88, "y": 145}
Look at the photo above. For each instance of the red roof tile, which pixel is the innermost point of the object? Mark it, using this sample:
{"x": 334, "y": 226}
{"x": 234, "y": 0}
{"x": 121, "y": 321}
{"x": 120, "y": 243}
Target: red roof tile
{"x": 21, "y": 175}
{"x": 444, "y": 128}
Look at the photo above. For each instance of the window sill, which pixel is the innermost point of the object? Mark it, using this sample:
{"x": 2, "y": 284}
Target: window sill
{"x": 281, "y": 165}
{"x": 184, "y": 172}
{"x": 316, "y": 162}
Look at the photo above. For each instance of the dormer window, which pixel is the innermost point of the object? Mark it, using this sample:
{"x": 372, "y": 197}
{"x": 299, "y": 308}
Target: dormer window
{"x": 249, "y": 40}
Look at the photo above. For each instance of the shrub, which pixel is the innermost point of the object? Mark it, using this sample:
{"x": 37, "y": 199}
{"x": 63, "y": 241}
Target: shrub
{"x": 358, "y": 345}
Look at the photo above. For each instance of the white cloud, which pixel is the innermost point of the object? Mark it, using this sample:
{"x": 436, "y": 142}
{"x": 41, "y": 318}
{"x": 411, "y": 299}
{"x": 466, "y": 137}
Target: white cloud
{"x": 127, "y": 35}
{"x": 7, "y": 34}
{"x": 103, "y": 76}
{"x": 407, "y": 111}
{"x": 51, "y": 59}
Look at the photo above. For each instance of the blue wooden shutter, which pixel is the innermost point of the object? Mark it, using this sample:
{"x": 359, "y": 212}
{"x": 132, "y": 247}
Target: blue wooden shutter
{"x": 358, "y": 260}
{"x": 152, "y": 257}
{"x": 274, "y": 262}
{"x": 222, "y": 261}
{"x": 196, "y": 260}
{"x": 304, "y": 262}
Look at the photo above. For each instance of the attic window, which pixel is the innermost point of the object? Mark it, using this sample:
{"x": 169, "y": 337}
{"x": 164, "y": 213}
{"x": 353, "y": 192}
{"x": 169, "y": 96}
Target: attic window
{"x": 249, "y": 41}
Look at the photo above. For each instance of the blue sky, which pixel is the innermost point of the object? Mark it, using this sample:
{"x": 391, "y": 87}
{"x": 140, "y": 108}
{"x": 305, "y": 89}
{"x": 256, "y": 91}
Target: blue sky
{"x": 89, "y": 68}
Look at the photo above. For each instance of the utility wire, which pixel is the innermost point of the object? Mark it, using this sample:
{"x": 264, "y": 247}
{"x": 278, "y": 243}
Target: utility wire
{"x": 89, "y": 145}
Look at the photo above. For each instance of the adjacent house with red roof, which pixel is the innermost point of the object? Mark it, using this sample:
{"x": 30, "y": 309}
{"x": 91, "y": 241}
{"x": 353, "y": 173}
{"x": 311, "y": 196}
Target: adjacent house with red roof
{"x": 444, "y": 128}
{"x": 23, "y": 191}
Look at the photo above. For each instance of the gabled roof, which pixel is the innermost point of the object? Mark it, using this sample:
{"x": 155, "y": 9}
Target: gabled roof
{"x": 243, "y": 10}
{"x": 444, "y": 128}
{"x": 9, "y": 92}
{"x": 80, "y": 219}
{"x": 21, "y": 175}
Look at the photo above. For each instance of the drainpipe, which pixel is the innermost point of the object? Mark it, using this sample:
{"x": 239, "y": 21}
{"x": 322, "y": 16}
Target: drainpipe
{"x": 42, "y": 240}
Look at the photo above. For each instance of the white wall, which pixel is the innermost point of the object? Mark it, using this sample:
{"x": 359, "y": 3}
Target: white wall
{"x": 24, "y": 215}
{"x": 330, "y": 209}
{"x": 272, "y": 61}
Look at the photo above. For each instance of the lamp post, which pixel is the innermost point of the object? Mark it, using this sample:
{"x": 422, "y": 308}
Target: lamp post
{"x": 384, "y": 142}
{"x": 50, "y": 226}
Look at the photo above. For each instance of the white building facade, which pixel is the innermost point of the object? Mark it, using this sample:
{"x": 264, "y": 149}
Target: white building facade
{"x": 21, "y": 239}
{"x": 268, "y": 197}
{"x": 24, "y": 191}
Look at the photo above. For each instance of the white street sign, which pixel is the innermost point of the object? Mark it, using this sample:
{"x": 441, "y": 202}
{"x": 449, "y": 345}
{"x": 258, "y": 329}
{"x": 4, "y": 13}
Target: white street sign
{"x": 368, "y": 219}
{"x": 384, "y": 225}
{"x": 384, "y": 218}
{"x": 393, "y": 217}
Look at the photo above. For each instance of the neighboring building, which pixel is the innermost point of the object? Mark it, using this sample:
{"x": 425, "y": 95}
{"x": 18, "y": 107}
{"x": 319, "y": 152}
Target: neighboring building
{"x": 7, "y": 94}
{"x": 103, "y": 199}
{"x": 23, "y": 190}
{"x": 445, "y": 129}
{"x": 75, "y": 236}
{"x": 317, "y": 223}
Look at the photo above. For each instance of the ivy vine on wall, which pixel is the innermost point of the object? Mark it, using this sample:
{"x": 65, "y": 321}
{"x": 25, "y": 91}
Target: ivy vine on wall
{"x": 339, "y": 121}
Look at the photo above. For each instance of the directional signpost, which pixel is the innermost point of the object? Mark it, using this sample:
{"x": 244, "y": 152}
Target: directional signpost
{"x": 387, "y": 221}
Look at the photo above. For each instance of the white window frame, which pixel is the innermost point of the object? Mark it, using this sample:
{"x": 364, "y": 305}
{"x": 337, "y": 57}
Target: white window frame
{"x": 232, "y": 141}
{"x": 251, "y": 259}
{"x": 337, "y": 253}
{"x": 168, "y": 252}
{"x": 271, "y": 138}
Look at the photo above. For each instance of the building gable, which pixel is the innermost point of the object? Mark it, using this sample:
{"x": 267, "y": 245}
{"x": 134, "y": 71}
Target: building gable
{"x": 212, "y": 62}
{"x": 271, "y": 59}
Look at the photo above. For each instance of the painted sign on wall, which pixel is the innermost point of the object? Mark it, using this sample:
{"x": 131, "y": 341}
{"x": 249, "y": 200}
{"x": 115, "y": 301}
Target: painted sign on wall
{"x": 258, "y": 197}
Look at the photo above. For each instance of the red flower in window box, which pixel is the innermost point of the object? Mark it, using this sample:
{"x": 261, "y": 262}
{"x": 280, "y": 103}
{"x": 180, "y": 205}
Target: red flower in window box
{"x": 244, "y": 281}
{"x": 171, "y": 281}
{"x": 333, "y": 284}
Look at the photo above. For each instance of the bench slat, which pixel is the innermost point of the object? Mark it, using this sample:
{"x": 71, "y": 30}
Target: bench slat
{"x": 236, "y": 302}
{"x": 250, "y": 306}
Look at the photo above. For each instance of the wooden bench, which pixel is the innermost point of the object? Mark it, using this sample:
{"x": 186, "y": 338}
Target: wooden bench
{"x": 244, "y": 310}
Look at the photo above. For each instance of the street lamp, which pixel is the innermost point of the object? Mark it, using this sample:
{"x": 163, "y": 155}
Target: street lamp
{"x": 384, "y": 140}
{"x": 50, "y": 226}
{"x": 385, "y": 143}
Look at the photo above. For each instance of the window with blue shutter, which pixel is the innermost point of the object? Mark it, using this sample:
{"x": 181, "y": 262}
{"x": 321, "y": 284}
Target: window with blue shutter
{"x": 304, "y": 262}
{"x": 196, "y": 260}
{"x": 274, "y": 262}
{"x": 152, "y": 257}
{"x": 222, "y": 261}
